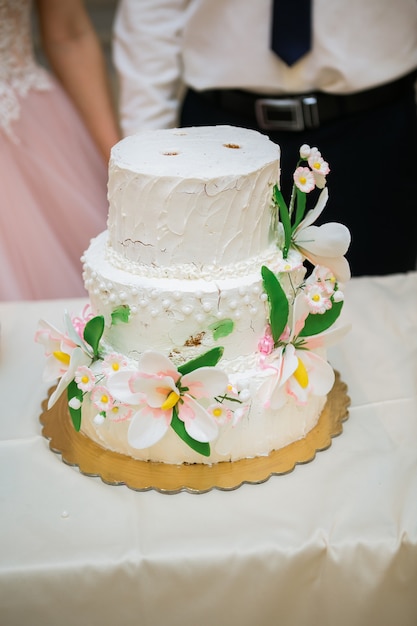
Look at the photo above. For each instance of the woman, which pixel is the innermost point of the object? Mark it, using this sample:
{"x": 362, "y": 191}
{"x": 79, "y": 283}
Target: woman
{"x": 56, "y": 131}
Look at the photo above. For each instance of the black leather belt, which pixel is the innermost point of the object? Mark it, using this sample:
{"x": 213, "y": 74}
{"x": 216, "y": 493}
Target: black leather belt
{"x": 295, "y": 113}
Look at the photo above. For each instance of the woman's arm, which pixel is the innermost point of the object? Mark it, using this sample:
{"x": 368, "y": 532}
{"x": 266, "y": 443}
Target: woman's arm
{"x": 73, "y": 50}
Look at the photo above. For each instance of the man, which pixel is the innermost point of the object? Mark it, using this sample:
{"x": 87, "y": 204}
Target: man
{"x": 351, "y": 94}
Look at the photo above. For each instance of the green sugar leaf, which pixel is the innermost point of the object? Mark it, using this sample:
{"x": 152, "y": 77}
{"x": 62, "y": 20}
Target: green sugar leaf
{"x": 93, "y": 332}
{"x": 317, "y": 323}
{"x": 301, "y": 207}
{"x": 222, "y": 328}
{"x": 120, "y": 314}
{"x": 208, "y": 359}
{"x": 278, "y": 303}
{"x": 74, "y": 392}
{"x": 284, "y": 216}
{"x": 179, "y": 428}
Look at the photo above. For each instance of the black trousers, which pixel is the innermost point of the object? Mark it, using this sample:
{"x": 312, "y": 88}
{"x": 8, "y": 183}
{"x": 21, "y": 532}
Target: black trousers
{"x": 373, "y": 179}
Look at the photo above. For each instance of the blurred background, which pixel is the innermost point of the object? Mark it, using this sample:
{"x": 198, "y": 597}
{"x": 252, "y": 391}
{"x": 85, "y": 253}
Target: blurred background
{"x": 102, "y": 14}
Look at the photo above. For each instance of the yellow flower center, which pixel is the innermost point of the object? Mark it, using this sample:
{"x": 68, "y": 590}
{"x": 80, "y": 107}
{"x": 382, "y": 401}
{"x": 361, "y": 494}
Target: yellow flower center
{"x": 301, "y": 375}
{"x": 303, "y": 180}
{"x": 62, "y": 356}
{"x": 84, "y": 379}
{"x": 104, "y": 398}
{"x": 316, "y": 297}
{"x": 171, "y": 401}
{"x": 316, "y": 166}
{"x": 217, "y": 412}
{"x": 115, "y": 366}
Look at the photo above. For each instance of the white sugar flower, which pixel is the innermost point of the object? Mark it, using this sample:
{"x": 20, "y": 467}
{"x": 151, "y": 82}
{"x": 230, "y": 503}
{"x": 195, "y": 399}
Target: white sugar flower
{"x": 323, "y": 245}
{"x": 296, "y": 373}
{"x": 294, "y": 368}
{"x": 157, "y": 388}
{"x": 64, "y": 357}
{"x": 119, "y": 413}
{"x": 75, "y": 403}
{"x": 305, "y": 151}
{"x": 338, "y": 296}
{"x": 220, "y": 413}
{"x": 293, "y": 261}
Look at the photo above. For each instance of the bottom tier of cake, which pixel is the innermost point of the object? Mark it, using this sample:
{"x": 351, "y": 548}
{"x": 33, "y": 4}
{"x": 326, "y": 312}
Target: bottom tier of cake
{"x": 250, "y": 430}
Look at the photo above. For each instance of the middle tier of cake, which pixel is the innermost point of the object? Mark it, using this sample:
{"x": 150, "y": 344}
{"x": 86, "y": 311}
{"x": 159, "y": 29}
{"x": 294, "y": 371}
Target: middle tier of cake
{"x": 179, "y": 315}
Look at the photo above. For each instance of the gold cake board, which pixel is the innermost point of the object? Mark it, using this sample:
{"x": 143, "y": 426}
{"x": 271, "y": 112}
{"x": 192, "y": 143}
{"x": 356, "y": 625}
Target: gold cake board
{"x": 118, "y": 469}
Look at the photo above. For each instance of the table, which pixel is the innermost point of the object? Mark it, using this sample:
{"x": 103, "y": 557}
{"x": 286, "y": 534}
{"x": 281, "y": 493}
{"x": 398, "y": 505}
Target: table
{"x": 333, "y": 542}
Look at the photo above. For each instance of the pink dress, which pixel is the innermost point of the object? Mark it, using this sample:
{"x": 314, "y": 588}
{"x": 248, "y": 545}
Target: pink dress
{"x": 53, "y": 181}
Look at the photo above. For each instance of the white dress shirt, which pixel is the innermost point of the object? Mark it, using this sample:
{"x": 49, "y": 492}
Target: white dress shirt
{"x": 162, "y": 45}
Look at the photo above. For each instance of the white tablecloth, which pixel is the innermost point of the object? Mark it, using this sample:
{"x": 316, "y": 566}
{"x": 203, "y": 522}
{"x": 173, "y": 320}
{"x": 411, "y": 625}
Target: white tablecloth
{"x": 333, "y": 542}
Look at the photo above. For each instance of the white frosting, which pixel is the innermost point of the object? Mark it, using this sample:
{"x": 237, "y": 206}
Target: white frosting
{"x": 257, "y": 433}
{"x": 166, "y": 313}
{"x": 189, "y": 229}
{"x": 196, "y": 195}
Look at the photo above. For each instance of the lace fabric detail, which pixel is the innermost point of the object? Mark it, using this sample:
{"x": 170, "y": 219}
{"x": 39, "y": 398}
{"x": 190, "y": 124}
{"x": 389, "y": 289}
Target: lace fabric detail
{"x": 19, "y": 72}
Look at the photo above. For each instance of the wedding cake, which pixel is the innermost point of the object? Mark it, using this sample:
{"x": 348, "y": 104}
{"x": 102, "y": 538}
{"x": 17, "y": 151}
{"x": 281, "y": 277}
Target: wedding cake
{"x": 205, "y": 338}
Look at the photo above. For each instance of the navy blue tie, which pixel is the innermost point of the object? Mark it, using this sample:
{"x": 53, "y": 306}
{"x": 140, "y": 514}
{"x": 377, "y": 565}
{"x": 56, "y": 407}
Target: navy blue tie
{"x": 291, "y": 29}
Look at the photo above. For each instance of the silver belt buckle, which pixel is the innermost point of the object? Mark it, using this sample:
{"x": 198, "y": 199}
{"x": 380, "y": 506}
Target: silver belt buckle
{"x": 293, "y": 114}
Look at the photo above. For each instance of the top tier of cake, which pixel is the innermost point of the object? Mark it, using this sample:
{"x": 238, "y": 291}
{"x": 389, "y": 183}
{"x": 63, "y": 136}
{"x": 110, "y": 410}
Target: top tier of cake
{"x": 191, "y": 196}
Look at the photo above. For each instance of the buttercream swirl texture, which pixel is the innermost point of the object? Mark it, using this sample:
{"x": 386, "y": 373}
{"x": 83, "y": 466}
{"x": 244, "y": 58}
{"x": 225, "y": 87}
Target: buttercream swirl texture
{"x": 196, "y": 196}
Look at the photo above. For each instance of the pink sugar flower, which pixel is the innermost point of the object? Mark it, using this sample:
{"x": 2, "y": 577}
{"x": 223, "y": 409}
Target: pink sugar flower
{"x": 119, "y": 413}
{"x": 114, "y": 362}
{"x": 317, "y": 299}
{"x": 319, "y": 167}
{"x": 85, "y": 378}
{"x": 79, "y": 322}
{"x": 304, "y": 179}
{"x": 325, "y": 278}
{"x": 266, "y": 343}
{"x": 220, "y": 413}
{"x": 102, "y": 399}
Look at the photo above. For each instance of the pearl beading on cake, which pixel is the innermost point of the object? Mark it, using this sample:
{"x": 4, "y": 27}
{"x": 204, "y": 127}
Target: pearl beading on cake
{"x": 179, "y": 304}
{"x": 189, "y": 271}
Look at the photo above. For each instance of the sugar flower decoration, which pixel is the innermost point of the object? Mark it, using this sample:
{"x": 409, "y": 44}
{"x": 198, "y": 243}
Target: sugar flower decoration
{"x": 162, "y": 393}
{"x": 294, "y": 368}
{"x": 305, "y": 151}
{"x": 63, "y": 357}
{"x": 290, "y": 350}
{"x": 114, "y": 362}
{"x": 119, "y": 413}
{"x": 304, "y": 179}
{"x": 85, "y": 379}
{"x": 220, "y": 413}
{"x": 324, "y": 245}
{"x": 317, "y": 298}
{"x": 151, "y": 392}
{"x": 319, "y": 167}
